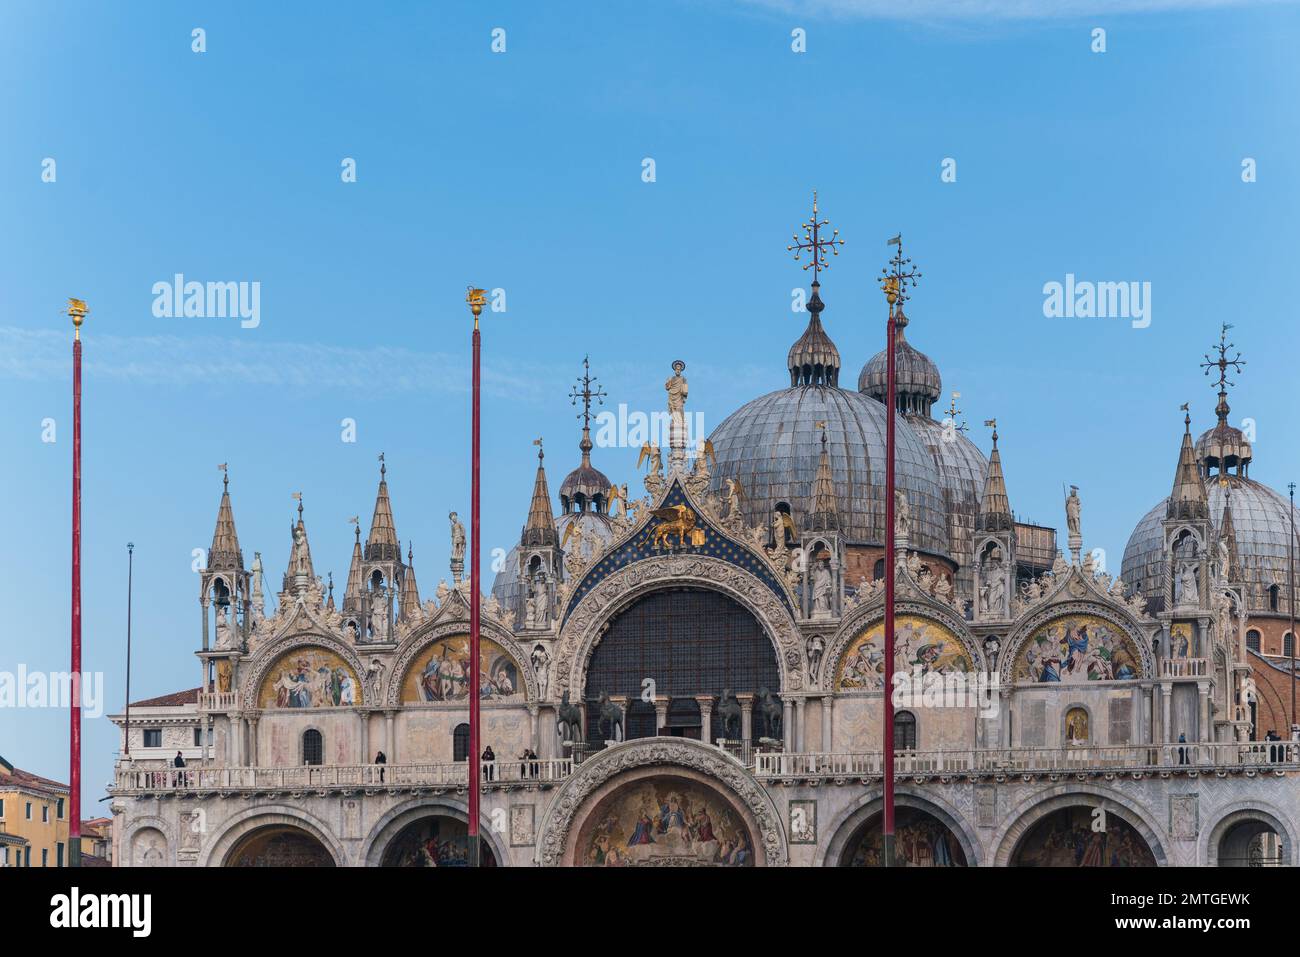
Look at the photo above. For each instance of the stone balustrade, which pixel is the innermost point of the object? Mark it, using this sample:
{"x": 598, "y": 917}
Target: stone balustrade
{"x": 995, "y": 761}
{"x": 218, "y": 701}
{"x": 453, "y": 775}
{"x": 1184, "y": 667}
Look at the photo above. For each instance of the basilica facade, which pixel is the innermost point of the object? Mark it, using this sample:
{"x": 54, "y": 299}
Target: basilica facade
{"x": 692, "y": 673}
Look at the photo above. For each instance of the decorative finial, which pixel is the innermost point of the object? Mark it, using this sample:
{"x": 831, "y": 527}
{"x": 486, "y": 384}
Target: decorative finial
{"x": 331, "y": 593}
{"x": 78, "y": 310}
{"x": 586, "y": 395}
{"x": 383, "y": 469}
{"x": 477, "y": 299}
{"x": 298, "y": 497}
{"x": 355, "y": 521}
{"x": 953, "y": 412}
{"x": 1223, "y": 363}
{"x": 410, "y": 553}
{"x": 1187, "y": 416}
{"x": 895, "y": 279}
{"x": 225, "y": 476}
{"x": 993, "y": 424}
{"x": 813, "y": 243}
{"x": 540, "y": 454}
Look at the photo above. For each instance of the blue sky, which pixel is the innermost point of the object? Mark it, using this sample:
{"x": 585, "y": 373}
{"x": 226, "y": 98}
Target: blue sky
{"x": 522, "y": 170}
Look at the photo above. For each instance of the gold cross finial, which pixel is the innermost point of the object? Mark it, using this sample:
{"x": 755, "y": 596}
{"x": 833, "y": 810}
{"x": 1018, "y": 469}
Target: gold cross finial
{"x": 813, "y": 242}
{"x": 477, "y": 299}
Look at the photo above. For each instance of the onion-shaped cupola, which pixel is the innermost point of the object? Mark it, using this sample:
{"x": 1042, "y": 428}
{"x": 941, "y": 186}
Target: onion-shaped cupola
{"x": 1224, "y": 447}
{"x": 813, "y": 359}
{"x": 586, "y": 488}
{"x": 917, "y": 382}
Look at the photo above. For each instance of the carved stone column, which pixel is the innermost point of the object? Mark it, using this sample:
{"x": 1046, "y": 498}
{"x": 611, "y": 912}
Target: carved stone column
{"x": 534, "y": 736}
{"x": 705, "y": 701}
{"x": 746, "y": 700}
{"x": 1004, "y": 718}
{"x": 787, "y": 725}
{"x": 800, "y": 743}
{"x": 364, "y": 715}
{"x": 1204, "y": 732}
{"x": 1166, "y": 721}
{"x": 390, "y": 739}
{"x": 661, "y": 712}
{"x": 204, "y": 605}
{"x": 828, "y": 706}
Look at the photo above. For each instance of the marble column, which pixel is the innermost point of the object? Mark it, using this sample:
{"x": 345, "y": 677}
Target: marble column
{"x": 252, "y": 740}
{"x": 204, "y": 605}
{"x": 390, "y": 739}
{"x": 787, "y": 725}
{"x": 705, "y": 701}
{"x": 237, "y": 736}
{"x": 1204, "y": 733}
{"x": 661, "y": 712}
{"x": 828, "y": 705}
{"x": 534, "y": 712}
{"x": 1004, "y": 717}
{"x": 1166, "y": 721}
{"x": 746, "y": 700}
{"x": 366, "y": 756}
{"x": 799, "y": 742}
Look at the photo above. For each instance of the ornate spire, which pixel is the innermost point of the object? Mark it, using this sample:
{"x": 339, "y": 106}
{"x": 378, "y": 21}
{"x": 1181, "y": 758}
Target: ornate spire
{"x": 825, "y": 517}
{"x": 1223, "y": 446}
{"x": 586, "y": 395}
{"x": 1228, "y": 530}
{"x": 1188, "y": 499}
{"x": 540, "y": 529}
{"x": 995, "y": 507}
{"x": 300, "y": 565}
{"x": 225, "y": 552}
{"x": 410, "y": 593}
{"x": 330, "y": 602}
{"x": 352, "y": 594}
{"x": 381, "y": 543}
{"x": 813, "y": 359}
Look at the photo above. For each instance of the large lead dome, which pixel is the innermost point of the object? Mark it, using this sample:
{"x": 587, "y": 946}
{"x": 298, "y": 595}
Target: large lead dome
{"x": 773, "y": 446}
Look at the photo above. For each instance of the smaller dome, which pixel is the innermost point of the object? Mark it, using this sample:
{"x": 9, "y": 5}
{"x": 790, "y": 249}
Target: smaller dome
{"x": 813, "y": 359}
{"x": 917, "y": 381}
{"x": 585, "y": 488}
{"x": 1224, "y": 446}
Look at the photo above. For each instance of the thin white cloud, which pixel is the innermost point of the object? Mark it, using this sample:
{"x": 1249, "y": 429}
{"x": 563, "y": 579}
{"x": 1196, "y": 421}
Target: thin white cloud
{"x": 989, "y": 9}
{"x": 248, "y": 360}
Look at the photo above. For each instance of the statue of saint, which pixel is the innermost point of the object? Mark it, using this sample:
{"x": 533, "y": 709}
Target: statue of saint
{"x": 1185, "y": 590}
{"x": 457, "y": 538}
{"x": 542, "y": 600}
{"x": 379, "y": 612}
{"x": 1225, "y": 560}
{"x": 676, "y": 388}
{"x": 224, "y": 633}
{"x": 1073, "y": 509}
{"x": 542, "y": 665}
{"x": 821, "y": 588}
{"x": 902, "y": 514}
{"x": 299, "y": 550}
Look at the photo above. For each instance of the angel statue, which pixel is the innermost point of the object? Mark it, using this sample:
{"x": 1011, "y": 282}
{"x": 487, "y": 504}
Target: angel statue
{"x": 651, "y": 452}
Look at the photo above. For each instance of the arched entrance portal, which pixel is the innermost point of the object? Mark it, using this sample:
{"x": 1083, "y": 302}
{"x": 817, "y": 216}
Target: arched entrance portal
{"x": 665, "y": 819}
{"x": 434, "y": 841}
{"x": 279, "y": 845}
{"x": 920, "y": 840}
{"x": 1250, "y": 843}
{"x": 687, "y": 642}
{"x": 1082, "y": 836}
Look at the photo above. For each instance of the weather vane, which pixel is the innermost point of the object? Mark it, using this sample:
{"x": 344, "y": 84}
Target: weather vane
{"x": 895, "y": 279}
{"x": 587, "y": 393}
{"x": 1223, "y": 363}
{"x": 813, "y": 242}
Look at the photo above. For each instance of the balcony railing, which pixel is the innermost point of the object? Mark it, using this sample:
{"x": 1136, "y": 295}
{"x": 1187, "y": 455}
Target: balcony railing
{"x": 340, "y": 777}
{"x": 1260, "y": 754}
{"x": 218, "y": 701}
{"x": 1184, "y": 667}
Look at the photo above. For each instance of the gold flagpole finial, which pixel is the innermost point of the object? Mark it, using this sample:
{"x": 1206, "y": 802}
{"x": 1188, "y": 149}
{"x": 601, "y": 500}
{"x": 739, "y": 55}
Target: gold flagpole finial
{"x": 78, "y": 310}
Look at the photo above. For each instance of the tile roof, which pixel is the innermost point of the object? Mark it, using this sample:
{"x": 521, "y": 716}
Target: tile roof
{"x": 170, "y": 700}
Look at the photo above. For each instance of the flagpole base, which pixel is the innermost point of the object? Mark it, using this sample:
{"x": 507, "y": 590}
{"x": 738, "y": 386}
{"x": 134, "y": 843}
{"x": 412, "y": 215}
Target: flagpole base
{"x": 74, "y": 852}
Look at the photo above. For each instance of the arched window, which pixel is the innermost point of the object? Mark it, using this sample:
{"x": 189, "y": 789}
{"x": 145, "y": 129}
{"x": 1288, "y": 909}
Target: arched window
{"x": 1076, "y": 726}
{"x": 904, "y": 731}
{"x": 1288, "y": 645}
{"x": 1252, "y": 640}
{"x": 878, "y": 570}
{"x": 1273, "y": 592}
{"x": 313, "y": 747}
{"x": 460, "y": 743}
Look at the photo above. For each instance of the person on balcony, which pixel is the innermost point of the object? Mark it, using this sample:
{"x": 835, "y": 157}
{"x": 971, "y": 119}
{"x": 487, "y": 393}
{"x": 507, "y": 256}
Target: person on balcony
{"x": 489, "y": 763}
{"x": 1182, "y": 752}
{"x": 178, "y": 762}
{"x": 381, "y": 759}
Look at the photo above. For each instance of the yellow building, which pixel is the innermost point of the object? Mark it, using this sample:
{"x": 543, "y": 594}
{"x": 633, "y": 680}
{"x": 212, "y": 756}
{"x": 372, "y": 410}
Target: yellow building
{"x": 33, "y": 819}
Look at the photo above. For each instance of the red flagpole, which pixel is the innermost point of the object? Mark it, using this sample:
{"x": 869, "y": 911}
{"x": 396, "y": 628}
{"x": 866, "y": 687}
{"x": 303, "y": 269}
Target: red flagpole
{"x": 77, "y": 311}
{"x": 475, "y": 299}
{"x": 891, "y": 408}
